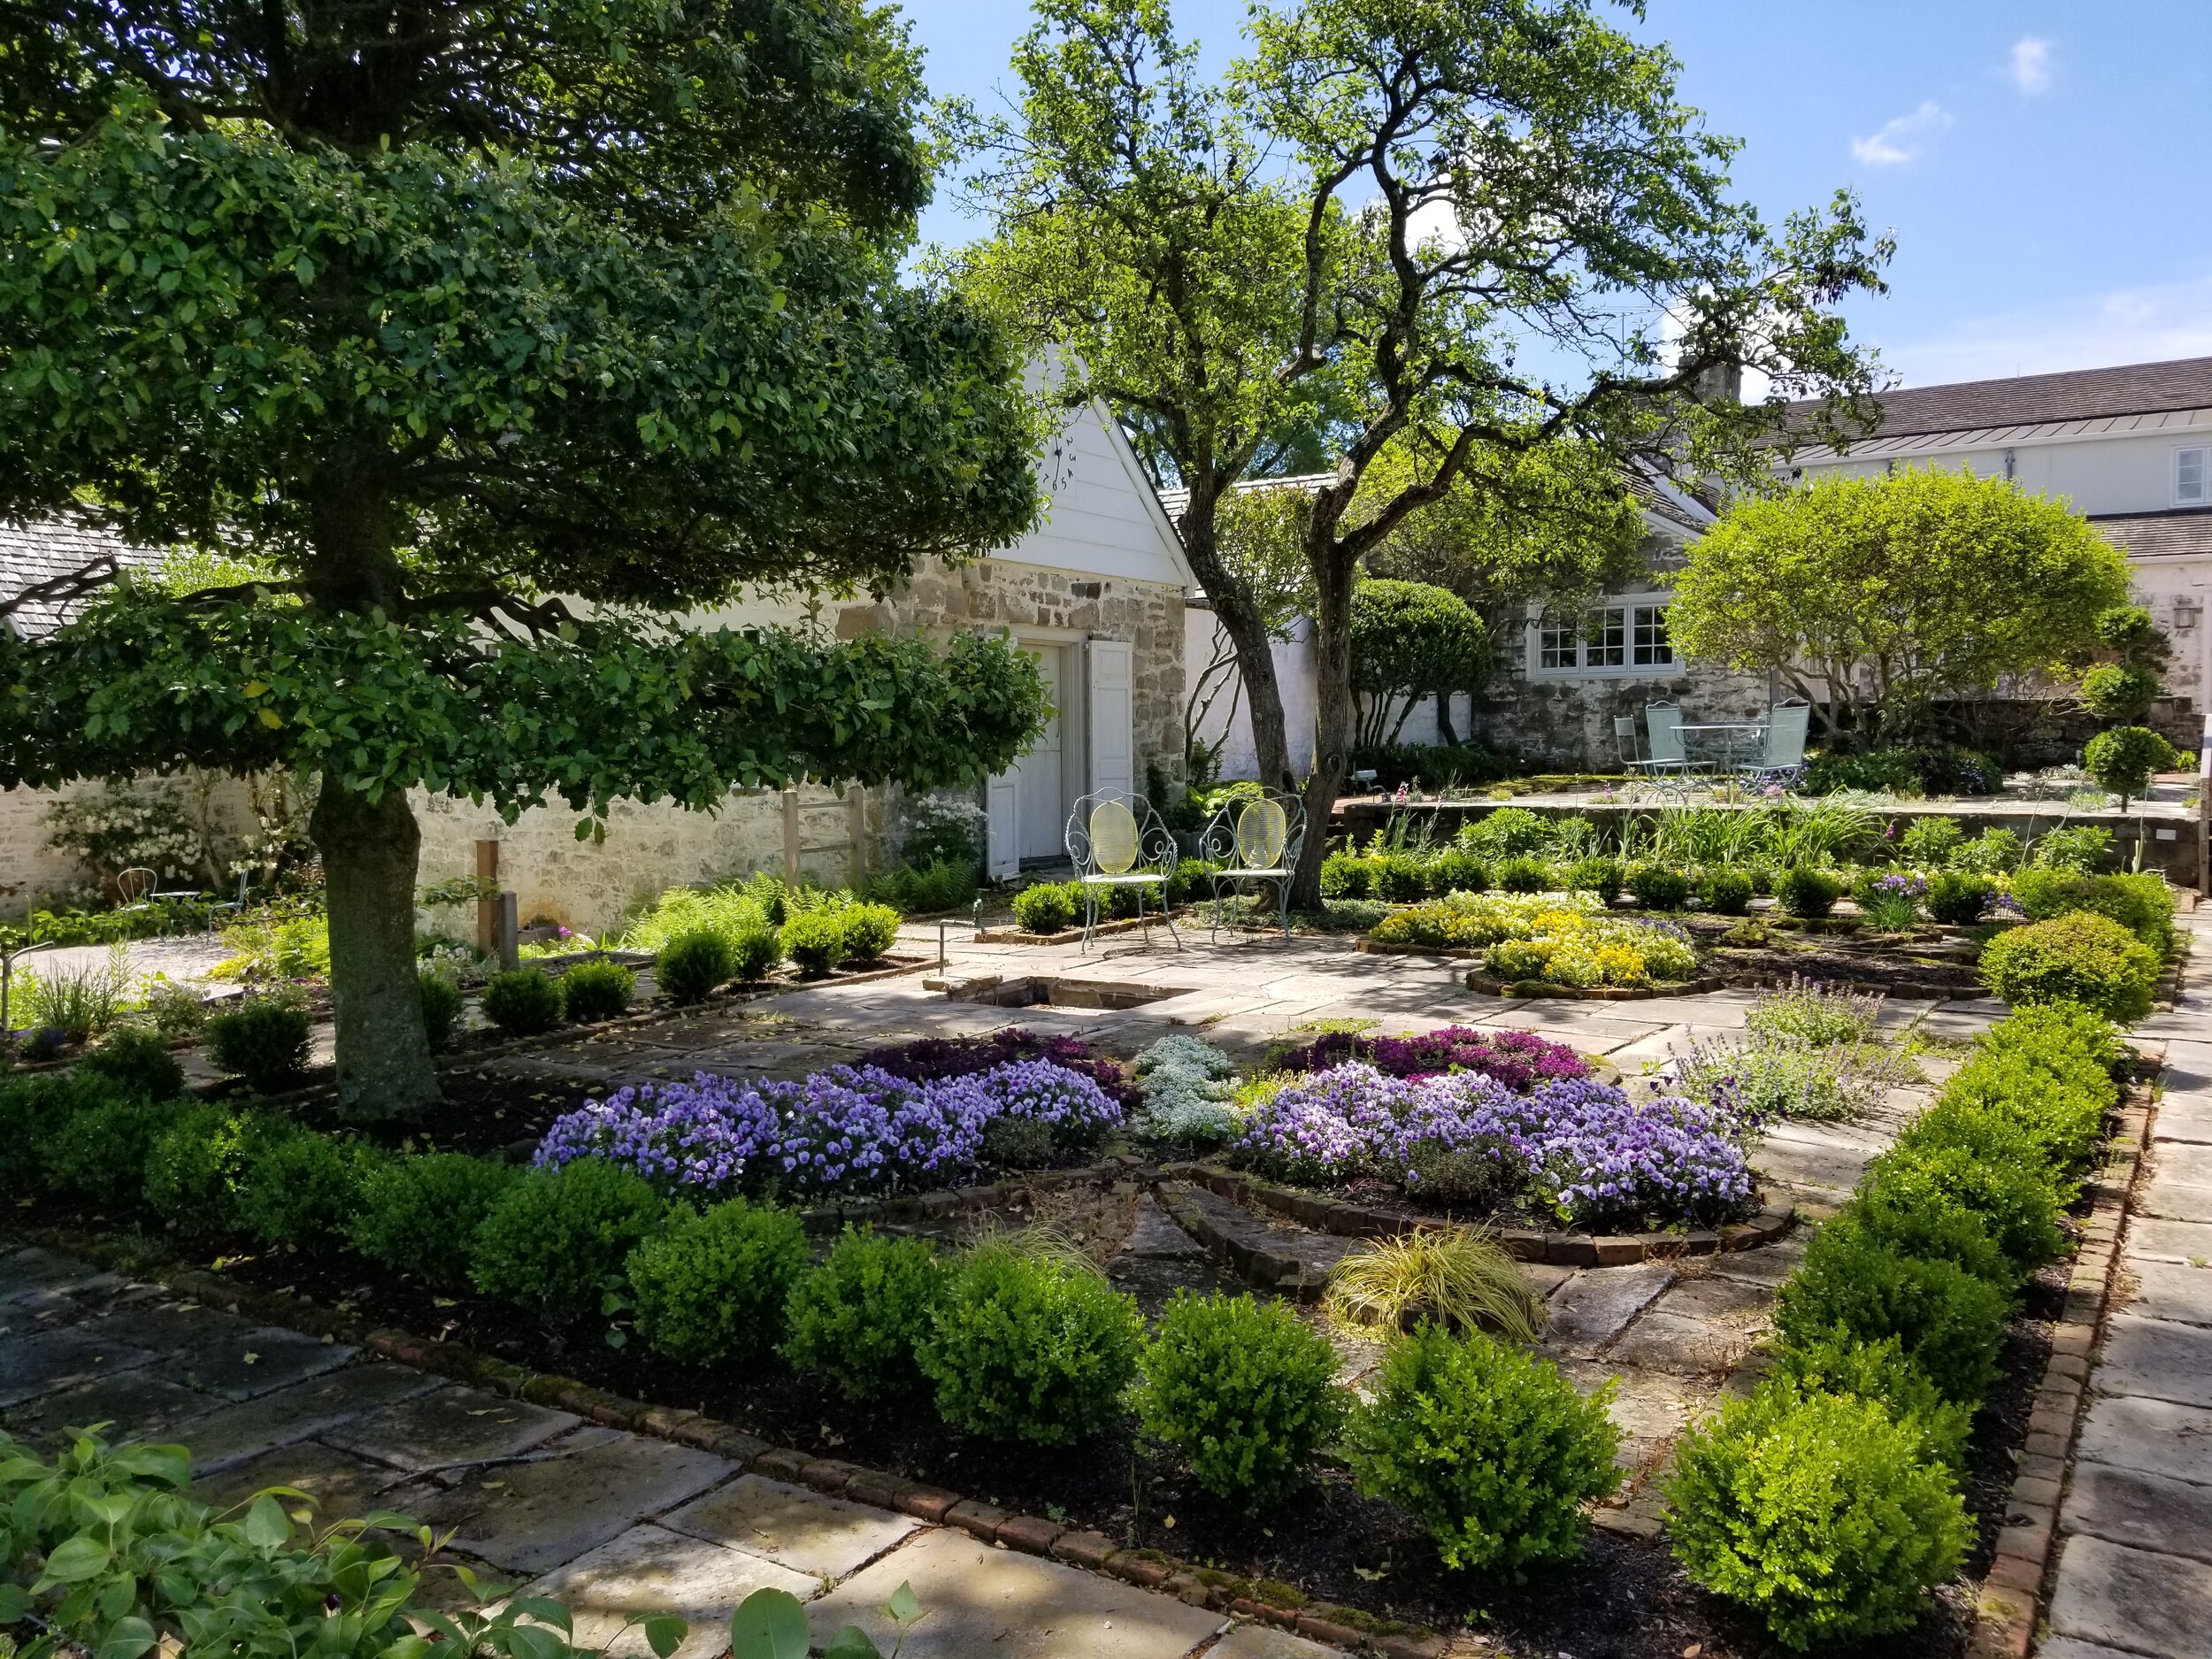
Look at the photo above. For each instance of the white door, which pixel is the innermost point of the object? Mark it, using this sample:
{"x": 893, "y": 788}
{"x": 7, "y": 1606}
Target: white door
{"x": 1109, "y": 685}
{"x": 1039, "y": 783}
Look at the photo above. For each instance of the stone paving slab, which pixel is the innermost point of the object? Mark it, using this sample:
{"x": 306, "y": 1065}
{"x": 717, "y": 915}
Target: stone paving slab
{"x": 227, "y": 1356}
{"x": 650, "y": 1570}
{"x": 1260, "y": 1641}
{"x": 2156, "y": 1358}
{"x": 343, "y": 1487}
{"x": 444, "y": 1426}
{"x": 2135, "y": 1599}
{"x": 2067, "y": 1647}
{"x": 2187, "y": 1120}
{"x": 47, "y": 1360}
{"x": 30, "y": 1271}
{"x": 2171, "y": 1290}
{"x": 1728, "y": 1302}
{"x": 822, "y": 1537}
{"x": 2181, "y": 1163}
{"x": 1767, "y": 1266}
{"x": 140, "y": 1404}
{"x": 1665, "y": 1341}
{"x": 2155, "y": 1436}
{"x": 980, "y": 1601}
{"x": 2145, "y": 1509}
{"x": 247, "y": 1428}
{"x": 1593, "y": 1308}
{"x": 2152, "y": 1240}
{"x": 531, "y": 1517}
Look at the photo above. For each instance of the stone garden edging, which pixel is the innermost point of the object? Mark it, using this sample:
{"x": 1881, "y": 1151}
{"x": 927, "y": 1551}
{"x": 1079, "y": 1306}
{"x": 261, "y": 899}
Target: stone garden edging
{"x": 1147, "y": 1569}
{"x": 2013, "y": 1593}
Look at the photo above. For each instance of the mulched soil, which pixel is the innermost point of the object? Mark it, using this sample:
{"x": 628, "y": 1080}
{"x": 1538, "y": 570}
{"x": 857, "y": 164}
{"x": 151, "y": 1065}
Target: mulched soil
{"x": 1765, "y": 949}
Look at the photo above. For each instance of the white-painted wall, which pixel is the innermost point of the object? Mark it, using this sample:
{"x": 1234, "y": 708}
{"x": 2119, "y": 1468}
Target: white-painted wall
{"x": 2092, "y": 473}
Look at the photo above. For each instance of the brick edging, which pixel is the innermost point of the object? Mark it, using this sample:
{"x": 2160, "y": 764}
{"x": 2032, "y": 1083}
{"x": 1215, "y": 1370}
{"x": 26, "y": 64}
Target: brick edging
{"x": 2011, "y": 1596}
{"x": 1147, "y": 1569}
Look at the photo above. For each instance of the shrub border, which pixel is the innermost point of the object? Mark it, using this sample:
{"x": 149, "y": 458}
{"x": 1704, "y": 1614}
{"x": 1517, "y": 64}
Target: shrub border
{"x": 2012, "y": 1595}
{"x": 1147, "y": 1569}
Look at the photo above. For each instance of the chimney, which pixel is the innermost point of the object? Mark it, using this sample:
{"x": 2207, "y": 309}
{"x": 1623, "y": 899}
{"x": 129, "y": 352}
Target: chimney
{"x": 1721, "y": 382}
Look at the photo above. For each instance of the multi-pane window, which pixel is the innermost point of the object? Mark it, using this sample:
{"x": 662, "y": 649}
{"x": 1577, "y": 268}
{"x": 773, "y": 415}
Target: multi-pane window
{"x": 1607, "y": 638}
{"x": 2192, "y": 487}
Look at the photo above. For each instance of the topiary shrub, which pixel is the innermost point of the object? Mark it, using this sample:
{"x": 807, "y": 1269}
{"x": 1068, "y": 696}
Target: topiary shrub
{"x": 2078, "y": 957}
{"x": 754, "y": 953}
{"x": 1523, "y": 874}
{"x": 594, "y": 991}
{"x": 442, "y": 1006}
{"x": 556, "y": 1241}
{"x": 420, "y": 1215}
{"x": 692, "y": 966}
{"x": 1839, "y": 1365}
{"x": 2063, "y": 1116}
{"x": 1807, "y": 893}
{"x": 815, "y": 941}
{"x": 1726, "y": 891}
{"x": 193, "y": 1167}
{"x": 264, "y": 1043}
{"x": 1345, "y": 875}
{"x": 2126, "y": 759}
{"x": 302, "y": 1186}
{"x": 1815, "y": 1512}
{"x": 136, "y": 1061}
{"x": 1400, "y": 877}
{"x": 1959, "y": 897}
{"x": 857, "y": 1318}
{"x": 1487, "y": 1447}
{"x": 1602, "y": 875}
{"x": 1455, "y": 870}
{"x": 1046, "y": 907}
{"x": 1659, "y": 886}
{"x": 2015, "y": 1201}
{"x": 1946, "y": 1321}
{"x": 98, "y": 1155}
{"x": 1023, "y": 1348}
{"x": 2143, "y": 904}
{"x": 1245, "y": 1392}
{"x": 522, "y": 1002}
{"x": 870, "y": 931}
{"x": 711, "y": 1288}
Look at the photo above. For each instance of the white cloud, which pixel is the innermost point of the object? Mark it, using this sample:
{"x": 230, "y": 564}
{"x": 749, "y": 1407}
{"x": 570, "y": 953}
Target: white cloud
{"x": 2030, "y": 65}
{"x": 1901, "y": 140}
{"x": 2090, "y": 331}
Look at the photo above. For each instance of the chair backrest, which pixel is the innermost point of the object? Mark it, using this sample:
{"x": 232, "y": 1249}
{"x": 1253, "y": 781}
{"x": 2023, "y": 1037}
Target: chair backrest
{"x": 1664, "y": 721}
{"x": 1624, "y": 738}
{"x": 1786, "y": 724}
{"x": 1114, "y": 847}
{"x": 1263, "y": 831}
{"x": 132, "y": 885}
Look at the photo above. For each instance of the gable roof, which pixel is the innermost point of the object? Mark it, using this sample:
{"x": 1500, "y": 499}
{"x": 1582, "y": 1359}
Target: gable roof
{"x": 35, "y": 553}
{"x": 2176, "y": 533}
{"x": 1660, "y": 501}
{"x": 2026, "y": 400}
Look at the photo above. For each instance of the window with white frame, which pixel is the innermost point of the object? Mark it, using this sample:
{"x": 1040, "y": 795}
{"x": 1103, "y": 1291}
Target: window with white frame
{"x": 1618, "y": 636}
{"x": 2192, "y": 487}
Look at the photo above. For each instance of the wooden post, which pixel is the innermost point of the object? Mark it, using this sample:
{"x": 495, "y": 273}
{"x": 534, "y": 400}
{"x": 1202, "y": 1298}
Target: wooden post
{"x": 486, "y": 905}
{"x": 509, "y": 934}
{"x": 857, "y": 830}
{"x": 791, "y": 835}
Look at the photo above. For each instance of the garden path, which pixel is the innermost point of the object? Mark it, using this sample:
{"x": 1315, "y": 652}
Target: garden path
{"x": 608, "y": 1522}
{"x": 2135, "y": 1527}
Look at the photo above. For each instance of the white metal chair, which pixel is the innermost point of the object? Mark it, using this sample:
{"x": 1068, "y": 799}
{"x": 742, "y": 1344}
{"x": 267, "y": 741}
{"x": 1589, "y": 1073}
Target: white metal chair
{"x": 1255, "y": 843}
{"x": 1669, "y": 762}
{"x": 1626, "y": 748}
{"x": 134, "y": 887}
{"x": 1118, "y": 841}
{"x": 1782, "y": 757}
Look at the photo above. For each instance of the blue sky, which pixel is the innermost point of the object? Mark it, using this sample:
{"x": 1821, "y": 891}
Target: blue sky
{"x": 2046, "y": 167}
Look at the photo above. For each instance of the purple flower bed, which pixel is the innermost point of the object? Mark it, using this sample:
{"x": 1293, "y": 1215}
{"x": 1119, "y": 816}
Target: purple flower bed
{"x": 1518, "y": 1059}
{"x": 1583, "y": 1150}
{"x": 927, "y": 1059}
{"x": 847, "y": 1129}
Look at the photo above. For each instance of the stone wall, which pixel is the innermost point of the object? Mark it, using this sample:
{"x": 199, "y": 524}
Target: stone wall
{"x": 33, "y": 874}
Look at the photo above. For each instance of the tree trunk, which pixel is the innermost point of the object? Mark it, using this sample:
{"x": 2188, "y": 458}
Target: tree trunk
{"x": 1444, "y": 732}
{"x": 1240, "y": 618}
{"x": 369, "y": 859}
{"x": 1333, "y": 721}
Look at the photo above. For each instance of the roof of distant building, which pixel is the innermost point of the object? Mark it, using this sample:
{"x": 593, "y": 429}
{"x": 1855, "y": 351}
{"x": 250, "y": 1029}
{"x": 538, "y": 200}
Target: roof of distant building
{"x": 2029, "y": 400}
{"x": 1678, "y": 509}
{"x": 37, "y": 553}
{"x": 2181, "y": 533}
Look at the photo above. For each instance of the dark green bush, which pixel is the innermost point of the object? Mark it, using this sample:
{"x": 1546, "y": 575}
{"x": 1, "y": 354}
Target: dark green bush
{"x": 1659, "y": 886}
{"x": 98, "y": 1155}
{"x": 1903, "y": 1208}
{"x": 194, "y": 1168}
{"x": 1456, "y": 870}
{"x": 442, "y": 1006}
{"x": 1602, "y": 875}
{"x": 263, "y": 1042}
{"x": 138, "y": 1062}
{"x": 2126, "y": 759}
{"x": 302, "y": 1186}
{"x": 1246, "y": 1393}
{"x": 870, "y": 931}
{"x": 33, "y": 1107}
{"x": 858, "y": 1317}
{"x": 1726, "y": 891}
{"x": 1346, "y": 875}
{"x": 1024, "y": 1348}
{"x": 2143, "y": 904}
{"x": 711, "y": 1288}
{"x": 420, "y": 1215}
{"x": 1946, "y": 1321}
{"x": 2063, "y": 1116}
{"x": 522, "y": 1002}
{"x": 1487, "y": 1447}
{"x": 2016, "y": 1202}
{"x": 754, "y": 953}
{"x": 1049, "y": 907}
{"x": 2078, "y": 957}
{"x": 1816, "y": 1513}
{"x": 556, "y": 1241}
{"x": 1400, "y": 877}
{"x": 692, "y": 966}
{"x": 1805, "y": 892}
{"x": 2055, "y": 1031}
{"x": 593, "y": 991}
{"x": 1959, "y": 898}
{"x": 1523, "y": 874}
{"x": 1879, "y": 1371}
{"x": 814, "y": 941}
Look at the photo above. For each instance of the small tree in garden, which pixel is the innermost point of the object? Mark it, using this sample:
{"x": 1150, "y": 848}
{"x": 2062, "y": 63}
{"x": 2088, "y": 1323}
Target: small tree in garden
{"x": 2125, "y": 758}
{"x": 434, "y": 314}
{"x": 1873, "y": 596}
{"x": 1410, "y": 641}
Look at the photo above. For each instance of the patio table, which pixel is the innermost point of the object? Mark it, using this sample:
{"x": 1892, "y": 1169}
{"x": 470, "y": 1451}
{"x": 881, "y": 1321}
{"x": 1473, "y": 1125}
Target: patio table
{"x": 1727, "y": 742}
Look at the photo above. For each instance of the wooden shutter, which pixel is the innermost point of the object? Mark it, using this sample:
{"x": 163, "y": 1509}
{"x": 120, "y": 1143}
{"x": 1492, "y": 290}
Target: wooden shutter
{"x": 1002, "y": 828}
{"x": 1108, "y": 681}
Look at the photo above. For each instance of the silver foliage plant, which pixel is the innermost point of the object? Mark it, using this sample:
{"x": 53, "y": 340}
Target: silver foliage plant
{"x": 1187, "y": 1083}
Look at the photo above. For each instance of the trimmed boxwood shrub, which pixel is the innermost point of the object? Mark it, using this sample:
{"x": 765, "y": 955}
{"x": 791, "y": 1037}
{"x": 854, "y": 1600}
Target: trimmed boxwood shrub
{"x": 522, "y": 1002}
{"x": 1046, "y": 907}
{"x": 421, "y": 1214}
{"x": 99, "y": 1155}
{"x": 692, "y": 966}
{"x": 1815, "y": 1511}
{"x": 1346, "y": 876}
{"x": 1959, "y": 898}
{"x": 1946, "y": 1321}
{"x": 2064, "y": 1036}
{"x": 711, "y": 1288}
{"x": 2016, "y": 1202}
{"x": 442, "y": 1005}
{"x": 754, "y": 953}
{"x": 870, "y": 931}
{"x": 1602, "y": 874}
{"x": 593, "y": 991}
{"x": 2064, "y": 1117}
{"x": 1880, "y": 1371}
{"x": 2143, "y": 904}
{"x": 1400, "y": 877}
{"x": 193, "y": 1167}
{"x": 1484, "y": 1444}
{"x": 1523, "y": 874}
{"x": 556, "y": 1240}
{"x": 1726, "y": 891}
{"x": 2078, "y": 957}
{"x": 302, "y": 1186}
{"x": 856, "y": 1318}
{"x": 1902, "y": 1208}
{"x": 263, "y": 1042}
{"x": 1807, "y": 893}
{"x": 1455, "y": 870}
{"x": 137, "y": 1062}
{"x": 1245, "y": 1392}
{"x": 1023, "y": 1348}
{"x": 1659, "y": 888}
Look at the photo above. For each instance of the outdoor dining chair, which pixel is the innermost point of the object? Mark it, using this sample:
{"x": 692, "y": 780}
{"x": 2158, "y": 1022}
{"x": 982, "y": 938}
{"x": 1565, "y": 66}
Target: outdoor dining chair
{"x": 1117, "y": 840}
{"x": 1782, "y": 757}
{"x": 1669, "y": 761}
{"x": 1626, "y": 749}
{"x": 1255, "y": 842}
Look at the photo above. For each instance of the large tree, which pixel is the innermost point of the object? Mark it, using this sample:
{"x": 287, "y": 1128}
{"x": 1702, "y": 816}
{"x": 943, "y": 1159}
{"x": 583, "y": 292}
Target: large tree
{"x": 1473, "y": 227}
{"x": 433, "y": 311}
{"x": 1871, "y": 597}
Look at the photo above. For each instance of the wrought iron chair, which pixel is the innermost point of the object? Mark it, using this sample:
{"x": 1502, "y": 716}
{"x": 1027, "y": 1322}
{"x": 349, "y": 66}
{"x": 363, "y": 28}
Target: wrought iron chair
{"x": 1117, "y": 840}
{"x": 1669, "y": 764}
{"x": 134, "y": 887}
{"x": 1782, "y": 757}
{"x": 1255, "y": 842}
